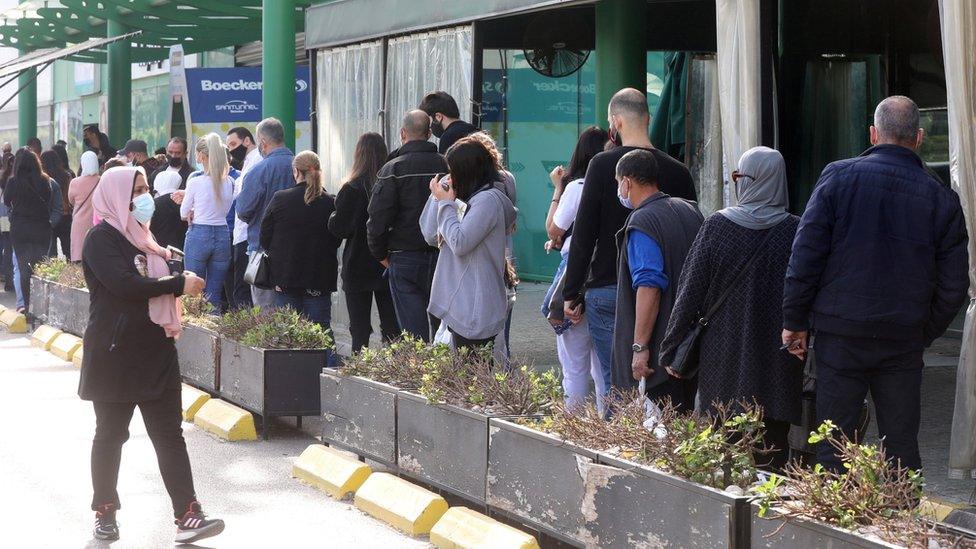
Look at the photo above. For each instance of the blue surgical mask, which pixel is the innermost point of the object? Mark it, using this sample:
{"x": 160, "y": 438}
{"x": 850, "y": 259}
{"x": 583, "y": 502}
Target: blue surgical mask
{"x": 625, "y": 202}
{"x": 143, "y": 207}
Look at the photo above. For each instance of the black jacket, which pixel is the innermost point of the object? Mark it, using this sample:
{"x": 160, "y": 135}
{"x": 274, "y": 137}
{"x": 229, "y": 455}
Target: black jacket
{"x": 185, "y": 171}
{"x": 399, "y": 195}
{"x": 128, "y": 357}
{"x": 360, "y": 270}
{"x": 457, "y": 130}
{"x": 167, "y": 225}
{"x": 296, "y": 237}
{"x": 881, "y": 251}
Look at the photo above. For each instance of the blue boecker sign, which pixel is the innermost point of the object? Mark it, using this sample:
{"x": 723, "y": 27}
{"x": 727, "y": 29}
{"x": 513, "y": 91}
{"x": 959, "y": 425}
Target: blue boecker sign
{"x": 234, "y": 94}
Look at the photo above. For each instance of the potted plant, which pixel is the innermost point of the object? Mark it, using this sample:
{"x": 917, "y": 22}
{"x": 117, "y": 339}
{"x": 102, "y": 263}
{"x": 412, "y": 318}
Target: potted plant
{"x": 198, "y": 347}
{"x": 270, "y": 362}
{"x": 63, "y": 299}
{"x": 871, "y": 502}
{"x": 359, "y": 401}
{"x": 443, "y": 428}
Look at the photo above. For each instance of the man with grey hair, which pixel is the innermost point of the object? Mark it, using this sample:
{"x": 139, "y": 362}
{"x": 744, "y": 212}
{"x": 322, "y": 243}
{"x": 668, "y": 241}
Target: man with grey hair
{"x": 393, "y": 228}
{"x": 268, "y": 176}
{"x": 879, "y": 270}
{"x": 591, "y": 268}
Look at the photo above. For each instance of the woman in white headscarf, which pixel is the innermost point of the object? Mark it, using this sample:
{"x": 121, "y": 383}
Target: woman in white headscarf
{"x": 80, "y": 192}
{"x": 740, "y": 357}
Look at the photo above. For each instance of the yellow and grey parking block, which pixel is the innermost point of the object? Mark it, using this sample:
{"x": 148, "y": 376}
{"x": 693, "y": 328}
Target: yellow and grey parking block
{"x": 65, "y": 346}
{"x": 937, "y": 509}
{"x": 78, "y": 357}
{"x": 193, "y": 400}
{"x": 16, "y": 323}
{"x": 463, "y": 528}
{"x": 330, "y": 470}
{"x": 400, "y": 504}
{"x": 44, "y": 336}
{"x": 225, "y": 420}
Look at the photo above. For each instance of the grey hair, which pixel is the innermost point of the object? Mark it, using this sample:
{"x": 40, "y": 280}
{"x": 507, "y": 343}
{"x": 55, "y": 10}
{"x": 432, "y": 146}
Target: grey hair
{"x": 629, "y": 103}
{"x": 272, "y": 130}
{"x": 897, "y": 119}
{"x": 416, "y": 124}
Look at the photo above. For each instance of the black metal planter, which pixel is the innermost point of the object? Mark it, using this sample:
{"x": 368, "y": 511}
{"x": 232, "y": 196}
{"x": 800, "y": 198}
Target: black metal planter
{"x": 806, "y": 534}
{"x": 647, "y": 505}
{"x": 38, "y": 300}
{"x": 271, "y": 382}
{"x": 443, "y": 445}
{"x": 360, "y": 415}
{"x": 199, "y": 353}
{"x": 67, "y": 308}
{"x": 543, "y": 481}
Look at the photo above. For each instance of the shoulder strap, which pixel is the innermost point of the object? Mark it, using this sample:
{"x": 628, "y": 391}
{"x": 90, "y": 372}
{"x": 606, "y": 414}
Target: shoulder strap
{"x": 735, "y": 281}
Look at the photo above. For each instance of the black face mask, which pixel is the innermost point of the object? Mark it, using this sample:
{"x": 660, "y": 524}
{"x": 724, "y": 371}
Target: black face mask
{"x": 238, "y": 153}
{"x": 174, "y": 161}
{"x": 436, "y": 128}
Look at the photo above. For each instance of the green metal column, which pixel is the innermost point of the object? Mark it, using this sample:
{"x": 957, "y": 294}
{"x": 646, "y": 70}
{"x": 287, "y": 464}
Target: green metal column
{"x": 26, "y": 105}
{"x": 278, "y": 58}
{"x": 621, "y": 50}
{"x": 119, "y": 87}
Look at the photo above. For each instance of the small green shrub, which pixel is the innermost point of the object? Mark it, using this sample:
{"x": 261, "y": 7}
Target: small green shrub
{"x": 62, "y": 271}
{"x": 273, "y": 329}
{"x": 198, "y": 311}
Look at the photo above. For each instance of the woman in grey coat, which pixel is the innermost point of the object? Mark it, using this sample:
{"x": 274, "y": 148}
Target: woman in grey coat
{"x": 469, "y": 219}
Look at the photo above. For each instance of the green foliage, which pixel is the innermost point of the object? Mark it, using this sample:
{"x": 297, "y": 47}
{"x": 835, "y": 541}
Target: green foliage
{"x": 197, "y": 310}
{"x": 273, "y": 329}
{"x": 62, "y": 271}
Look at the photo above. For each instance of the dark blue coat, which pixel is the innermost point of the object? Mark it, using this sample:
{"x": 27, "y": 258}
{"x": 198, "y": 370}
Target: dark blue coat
{"x": 881, "y": 251}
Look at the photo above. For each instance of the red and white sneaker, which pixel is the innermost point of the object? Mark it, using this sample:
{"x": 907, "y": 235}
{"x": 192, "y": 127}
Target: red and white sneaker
{"x": 195, "y": 526}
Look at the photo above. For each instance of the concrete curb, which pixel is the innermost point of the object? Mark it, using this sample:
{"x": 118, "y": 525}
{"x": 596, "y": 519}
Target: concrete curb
{"x": 225, "y": 420}
{"x": 330, "y": 470}
{"x": 15, "y": 322}
{"x": 78, "y": 357}
{"x": 193, "y": 400}
{"x": 463, "y": 528}
{"x": 44, "y": 336}
{"x": 400, "y": 504}
{"x": 937, "y": 509}
{"x": 65, "y": 346}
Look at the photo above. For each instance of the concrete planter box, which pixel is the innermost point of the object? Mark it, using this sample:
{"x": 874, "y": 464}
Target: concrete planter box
{"x": 199, "y": 353}
{"x": 38, "y": 301}
{"x": 643, "y": 504}
{"x": 443, "y": 445}
{"x": 271, "y": 382}
{"x": 67, "y": 308}
{"x": 546, "y": 482}
{"x": 360, "y": 415}
{"x": 803, "y": 534}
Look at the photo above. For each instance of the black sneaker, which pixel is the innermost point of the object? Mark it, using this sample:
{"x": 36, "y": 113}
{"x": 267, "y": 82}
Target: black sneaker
{"x": 106, "y": 528}
{"x": 195, "y": 526}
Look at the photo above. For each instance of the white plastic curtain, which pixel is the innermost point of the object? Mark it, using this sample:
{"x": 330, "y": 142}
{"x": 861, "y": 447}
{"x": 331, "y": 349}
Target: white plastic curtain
{"x": 739, "y": 72}
{"x": 349, "y": 103}
{"x": 421, "y": 63}
{"x": 705, "y": 133}
{"x": 959, "y": 48}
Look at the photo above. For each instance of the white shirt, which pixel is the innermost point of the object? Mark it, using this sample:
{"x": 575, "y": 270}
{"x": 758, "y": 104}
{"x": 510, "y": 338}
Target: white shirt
{"x": 240, "y": 228}
{"x": 565, "y": 214}
{"x": 201, "y": 200}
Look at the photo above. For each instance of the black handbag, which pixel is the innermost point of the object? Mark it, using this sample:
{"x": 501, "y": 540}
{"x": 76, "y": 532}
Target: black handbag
{"x": 258, "y": 272}
{"x": 686, "y": 356}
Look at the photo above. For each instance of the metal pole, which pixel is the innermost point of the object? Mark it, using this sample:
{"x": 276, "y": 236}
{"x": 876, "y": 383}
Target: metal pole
{"x": 278, "y": 58}
{"x": 621, "y": 50}
{"x": 27, "y": 105}
{"x": 119, "y": 86}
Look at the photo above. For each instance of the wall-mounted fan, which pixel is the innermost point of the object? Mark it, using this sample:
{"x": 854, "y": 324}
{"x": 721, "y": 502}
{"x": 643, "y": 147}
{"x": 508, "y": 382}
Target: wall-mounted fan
{"x": 554, "y": 43}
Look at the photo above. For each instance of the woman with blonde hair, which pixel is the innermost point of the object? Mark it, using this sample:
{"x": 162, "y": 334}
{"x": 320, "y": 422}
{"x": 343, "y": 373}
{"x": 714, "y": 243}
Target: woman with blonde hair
{"x": 208, "y": 198}
{"x": 302, "y": 252}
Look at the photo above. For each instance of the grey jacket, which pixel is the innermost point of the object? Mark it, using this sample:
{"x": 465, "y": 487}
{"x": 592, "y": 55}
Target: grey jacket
{"x": 468, "y": 293}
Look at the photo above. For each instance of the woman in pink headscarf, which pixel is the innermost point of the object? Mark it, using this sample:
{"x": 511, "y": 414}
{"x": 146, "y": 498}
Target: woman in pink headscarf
{"x": 130, "y": 357}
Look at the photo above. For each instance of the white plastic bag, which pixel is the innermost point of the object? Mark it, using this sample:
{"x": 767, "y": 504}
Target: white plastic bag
{"x": 652, "y": 412}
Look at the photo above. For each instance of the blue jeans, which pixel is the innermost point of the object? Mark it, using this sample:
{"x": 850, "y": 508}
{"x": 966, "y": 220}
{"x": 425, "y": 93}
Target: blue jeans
{"x": 317, "y": 308}
{"x": 411, "y": 274}
{"x": 601, "y": 310}
{"x": 208, "y": 255}
{"x": 544, "y": 309}
{"x": 18, "y": 288}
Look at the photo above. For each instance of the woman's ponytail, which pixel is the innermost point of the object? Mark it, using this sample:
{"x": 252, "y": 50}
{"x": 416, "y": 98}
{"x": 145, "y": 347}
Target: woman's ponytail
{"x": 216, "y": 165}
{"x": 307, "y": 164}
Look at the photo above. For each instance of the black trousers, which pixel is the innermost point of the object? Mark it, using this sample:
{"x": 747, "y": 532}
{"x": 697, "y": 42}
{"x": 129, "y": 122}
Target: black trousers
{"x": 360, "y": 308}
{"x": 31, "y": 243}
{"x": 62, "y": 233}
{"x": 163, "y": 419}
{"x": 849, "y": 367}
{"x": 461, "y": 342}
{"x": 681, "y": 393}
{"x": 236, "y": 291}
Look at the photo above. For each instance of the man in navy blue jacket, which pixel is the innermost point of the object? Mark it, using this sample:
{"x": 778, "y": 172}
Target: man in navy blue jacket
{"x": 879, "y": 270}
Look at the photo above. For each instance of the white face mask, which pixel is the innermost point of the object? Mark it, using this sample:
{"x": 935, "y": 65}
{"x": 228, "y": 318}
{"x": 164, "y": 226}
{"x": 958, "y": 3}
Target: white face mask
{"x": 624, "y": 201}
